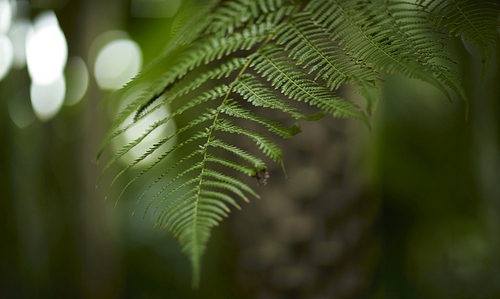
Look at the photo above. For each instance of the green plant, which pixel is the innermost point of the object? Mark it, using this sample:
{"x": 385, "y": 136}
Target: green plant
{"x": 270, "y": 54}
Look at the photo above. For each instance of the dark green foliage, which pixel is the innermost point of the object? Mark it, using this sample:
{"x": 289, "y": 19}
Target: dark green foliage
{"x": 475, "y": 21}
{"x": 280, "y": 52}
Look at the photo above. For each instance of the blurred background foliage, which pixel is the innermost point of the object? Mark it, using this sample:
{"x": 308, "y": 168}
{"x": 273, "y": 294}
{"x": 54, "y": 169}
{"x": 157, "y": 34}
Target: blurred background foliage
{"x": 409, "y": 210}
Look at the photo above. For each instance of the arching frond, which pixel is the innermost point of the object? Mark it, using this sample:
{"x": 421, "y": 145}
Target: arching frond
{"x": 292, "y": 81}
{"x": 272, "y": 54}
{"x": 310, "y": 47}
{"x": 475, "y": 21}
{"x": 232, "y": 15}
{"x": 370, "y": 37}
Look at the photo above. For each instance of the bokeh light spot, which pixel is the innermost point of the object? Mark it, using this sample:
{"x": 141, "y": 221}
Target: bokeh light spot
{"x": 6, "y": 55}
{"x": 48, "y": 99}
{"x": 117, "y": 62}
{"x": 46, "y": 49}
{"x": 20, "y": 111}
{"x": 142, "y": 126}
{"x": 5, "y": 16}
{"x": 77, "y": 80}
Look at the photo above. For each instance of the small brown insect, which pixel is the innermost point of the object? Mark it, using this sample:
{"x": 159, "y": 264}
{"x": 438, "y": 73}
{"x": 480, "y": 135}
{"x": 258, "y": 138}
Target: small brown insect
{"x": 262, "y": 180}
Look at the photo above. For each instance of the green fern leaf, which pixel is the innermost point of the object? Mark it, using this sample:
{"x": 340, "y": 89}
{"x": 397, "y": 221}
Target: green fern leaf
{"x": 475, "y": 21}
{"x": 309, "y": 45}
{"x": 370, "y": 38}
{"x": 258, "y": 163}
{"x": 271, "y": 54}
{"x": 267, "y": 147}
{"x": 293, "y": 82}
{"x": 415, "y": 31}
{"x": 232, "y": 109}
{"x": 209, "y": 95}
{"x": 235, "y": 14}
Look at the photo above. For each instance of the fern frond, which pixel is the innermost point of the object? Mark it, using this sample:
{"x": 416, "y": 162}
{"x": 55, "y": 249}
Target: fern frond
{"x": 411, "y": 24}
{"x": 248, "y": 170}
{"x": 202, "y": 52}
{"x": 199, "y": 120}
{"x": 258, "y": 163}
{"x": 235, "y": 14}
{"x": 285, "y": 75}
{"x": 370, "y": 38}
{"x": 179, "y": 200}
{"x": 233, "y": 109}
{"x": 222, "y": 197}
{"x": 412, "y": 27}
{"x": 187, "y": 27}
{"x": 269, "y": 148}
{"x": 475, "y": 21}
{"x": 209, "y": 95}
{"x": 224, "y": 70}
{"x": 252, "y": 90}
{"x": 157, "y": 180}
{"x": 189, "y": 24}
{"x": 271, "y": 54}
{"x": 191, "y": 217}
{"x": 222, "y": 178}
{"x": 311, "y": 47}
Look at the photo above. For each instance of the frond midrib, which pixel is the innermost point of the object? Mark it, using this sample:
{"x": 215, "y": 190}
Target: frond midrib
{"x": 313, "y": 46}
{"x": 196, "y": 273}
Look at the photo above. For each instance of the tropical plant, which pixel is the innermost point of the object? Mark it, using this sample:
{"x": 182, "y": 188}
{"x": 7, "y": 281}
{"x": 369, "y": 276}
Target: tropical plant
{"x": 272, "y": 54}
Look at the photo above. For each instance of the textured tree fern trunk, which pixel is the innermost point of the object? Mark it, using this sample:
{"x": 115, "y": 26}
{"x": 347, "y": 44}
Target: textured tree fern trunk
{"x": 311, "y": 235}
